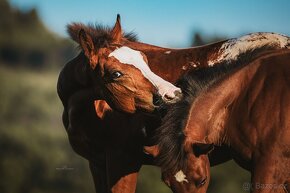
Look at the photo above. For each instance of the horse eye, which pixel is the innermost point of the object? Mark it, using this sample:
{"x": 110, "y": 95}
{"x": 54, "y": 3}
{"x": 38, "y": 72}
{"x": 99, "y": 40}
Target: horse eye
{"x": 116, "y": 75}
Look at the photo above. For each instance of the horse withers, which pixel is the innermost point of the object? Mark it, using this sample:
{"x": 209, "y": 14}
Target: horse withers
{"x": 245, "y": 107}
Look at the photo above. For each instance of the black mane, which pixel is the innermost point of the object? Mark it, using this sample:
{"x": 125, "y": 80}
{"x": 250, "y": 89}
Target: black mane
{"x": 169, "y": 136}
{"x": 101, "y": 34}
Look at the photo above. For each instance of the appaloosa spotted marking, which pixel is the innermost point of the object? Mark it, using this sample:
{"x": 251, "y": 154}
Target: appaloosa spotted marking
{"x": 233, "y": 48}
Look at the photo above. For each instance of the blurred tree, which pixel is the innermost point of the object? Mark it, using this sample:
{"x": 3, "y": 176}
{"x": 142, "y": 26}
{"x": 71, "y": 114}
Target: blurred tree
{"x": 198, "y": 39}
{"x": 25, "y": 41}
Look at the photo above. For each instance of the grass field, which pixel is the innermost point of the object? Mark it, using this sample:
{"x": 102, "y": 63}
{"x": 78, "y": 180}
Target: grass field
{"x": 35, "y": 156}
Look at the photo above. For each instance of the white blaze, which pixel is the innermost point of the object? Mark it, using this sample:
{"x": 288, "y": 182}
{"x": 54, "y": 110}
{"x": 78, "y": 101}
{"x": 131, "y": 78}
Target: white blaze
{"x": 231, "y": 49}
{"x": 180, "y": 176}
{"x": 127, "y": 55}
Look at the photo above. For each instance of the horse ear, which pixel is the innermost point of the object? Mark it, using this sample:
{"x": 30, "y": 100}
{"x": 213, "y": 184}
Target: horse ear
{"x": 201, "y": 148}
{"x": 102, "y": 108}
{"x": 117, "y": 30}
{"x": 87, "y": 45}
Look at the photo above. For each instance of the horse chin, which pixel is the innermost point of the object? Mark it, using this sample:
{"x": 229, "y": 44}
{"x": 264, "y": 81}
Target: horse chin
{"x": 146, "y": 108}
{"x": 147, "y": 111}
{"x": 172, "y": 101}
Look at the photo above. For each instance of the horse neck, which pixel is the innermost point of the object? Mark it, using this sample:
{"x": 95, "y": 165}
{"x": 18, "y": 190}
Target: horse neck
{"x": 244, "y": 110}
{"x": 213, "y": 108}
{"x": 171, "y": 64}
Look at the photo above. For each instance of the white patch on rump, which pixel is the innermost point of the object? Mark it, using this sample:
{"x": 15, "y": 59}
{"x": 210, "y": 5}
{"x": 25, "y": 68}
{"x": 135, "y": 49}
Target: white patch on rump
{"x": 180, "y": 176}
{"x": 231, "y": 49}
{"x": 127, "y": 55}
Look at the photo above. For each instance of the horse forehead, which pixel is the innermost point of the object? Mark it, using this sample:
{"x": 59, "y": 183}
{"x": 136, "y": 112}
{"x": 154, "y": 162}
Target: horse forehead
{"x": 180, "y": 177}
{"x": 127, "y": 55}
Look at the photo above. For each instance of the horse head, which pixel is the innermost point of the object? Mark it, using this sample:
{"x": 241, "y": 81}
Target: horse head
{"x": 121, "y": 72}
{"x": 192, "y": 177}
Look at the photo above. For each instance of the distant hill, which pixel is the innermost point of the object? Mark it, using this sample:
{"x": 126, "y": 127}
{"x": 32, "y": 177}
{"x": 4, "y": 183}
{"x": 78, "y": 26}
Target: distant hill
{"x": 26, "y": 42}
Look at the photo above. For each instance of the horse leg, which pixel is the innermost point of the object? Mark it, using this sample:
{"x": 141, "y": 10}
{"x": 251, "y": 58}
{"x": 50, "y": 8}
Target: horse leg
{"x": 126, "y": 184}
{"x": 122, "y": 171}
{"x": 99, "y": 177}
{"x": 270, "y": 175}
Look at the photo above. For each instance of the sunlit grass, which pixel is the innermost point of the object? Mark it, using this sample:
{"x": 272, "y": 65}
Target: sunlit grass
{"x": 149, "y": 180}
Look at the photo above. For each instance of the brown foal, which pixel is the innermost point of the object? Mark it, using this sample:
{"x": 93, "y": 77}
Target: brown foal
{"x": 245, "y": 107}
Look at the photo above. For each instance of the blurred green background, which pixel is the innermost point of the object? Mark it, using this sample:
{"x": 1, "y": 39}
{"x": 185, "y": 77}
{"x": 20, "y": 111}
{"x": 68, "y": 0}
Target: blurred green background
{"x": 35, "y": 156}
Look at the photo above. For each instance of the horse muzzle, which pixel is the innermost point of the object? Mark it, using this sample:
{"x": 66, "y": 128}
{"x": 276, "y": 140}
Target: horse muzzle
{"x": 172, "y": 97}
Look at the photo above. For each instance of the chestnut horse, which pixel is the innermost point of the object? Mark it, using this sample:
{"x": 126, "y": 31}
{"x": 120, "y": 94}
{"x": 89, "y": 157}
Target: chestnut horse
{"x": 245, "y": 107}
{"x": 130, "y": 76}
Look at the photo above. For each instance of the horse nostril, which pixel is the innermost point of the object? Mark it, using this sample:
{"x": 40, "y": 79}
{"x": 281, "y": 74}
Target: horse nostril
{"x": 169, "y": 97}
{"x": 157, "y": 100}
{"x": 173, "y": 97}
{"x": 202, "y": 182}
{"x": 178, "y": 93}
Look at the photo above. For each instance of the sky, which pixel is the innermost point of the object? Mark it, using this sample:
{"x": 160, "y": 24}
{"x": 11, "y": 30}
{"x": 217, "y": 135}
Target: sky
{"x": 167, "y": 22}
